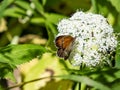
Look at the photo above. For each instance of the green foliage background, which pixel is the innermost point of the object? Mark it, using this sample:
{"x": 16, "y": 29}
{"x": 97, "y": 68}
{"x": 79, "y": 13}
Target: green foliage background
{"x": 28, "y": 29}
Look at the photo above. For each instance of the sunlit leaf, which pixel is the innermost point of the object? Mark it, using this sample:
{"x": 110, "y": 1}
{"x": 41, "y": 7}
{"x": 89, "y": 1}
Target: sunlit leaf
{"x": 37, "y": 20}
{"x": 48, "y": 65}
{"x": 116, "y": 4}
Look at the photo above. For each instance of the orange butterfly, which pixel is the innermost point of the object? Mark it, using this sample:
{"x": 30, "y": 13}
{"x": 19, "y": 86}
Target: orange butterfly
{"x": 64, "y": 44}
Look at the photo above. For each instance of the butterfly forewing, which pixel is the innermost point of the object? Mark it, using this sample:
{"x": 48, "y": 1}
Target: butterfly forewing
{"x": 64, "y": 44}
{"x": 59, "y": 41}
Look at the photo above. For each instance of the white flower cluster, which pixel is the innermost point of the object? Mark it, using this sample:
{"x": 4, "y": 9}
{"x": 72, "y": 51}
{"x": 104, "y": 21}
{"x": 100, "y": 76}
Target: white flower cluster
{"x": 94, "y": 38}
{"x": 29, "y": 13}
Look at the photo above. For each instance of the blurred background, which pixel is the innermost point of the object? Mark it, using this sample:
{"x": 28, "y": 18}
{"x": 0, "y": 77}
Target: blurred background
{"x": 35, "y": 22}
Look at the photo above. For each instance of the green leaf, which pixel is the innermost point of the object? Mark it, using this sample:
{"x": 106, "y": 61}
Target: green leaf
{"x": 3, "y": 5}
{"x": 44, "y": 2}
{"x": 14, "y": 12}
{"x": 38, "y": 6}
{"x": 13, "y": 55}
{"x": 23, "y": 4}
{"x": 117, "y": 57}
{"x": 6, "y": 70}
{"x": 116, "y": 4}
{"x": 37, "y": 20}
{"x": 116, "y": 84}
{"x": 1, "y": 85}
{"x": 51, "y": 34}
{"x": 86, "y": 80}
{"x": 10, "y": 75}
{"x": 54, "y": 18}
{"x": 22, "y": 53}
{"x": 48, "y": 65}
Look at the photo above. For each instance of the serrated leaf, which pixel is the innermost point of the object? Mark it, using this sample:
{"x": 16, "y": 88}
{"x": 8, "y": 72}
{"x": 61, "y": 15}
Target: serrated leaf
{"x": 13, "y": 55}
{"x": 22, "y": 53}
{"x": 86, "y": 80}
{"x": 5, "y": 70}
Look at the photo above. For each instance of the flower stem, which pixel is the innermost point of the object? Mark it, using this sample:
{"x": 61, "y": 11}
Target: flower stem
{"x": 79, "y": 86}
{"x": 94, "y": 7}
{"x": 24, "y": 83}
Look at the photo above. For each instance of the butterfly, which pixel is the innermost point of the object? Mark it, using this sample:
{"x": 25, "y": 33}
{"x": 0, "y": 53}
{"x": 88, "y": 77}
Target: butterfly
{"x": 64, "y": 43}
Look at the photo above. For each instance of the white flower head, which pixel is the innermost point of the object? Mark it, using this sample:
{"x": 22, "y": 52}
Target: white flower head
{"x": 94, "y": 38}
{"x": 32, "y": 5}
{"x": 29, "y": 12}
